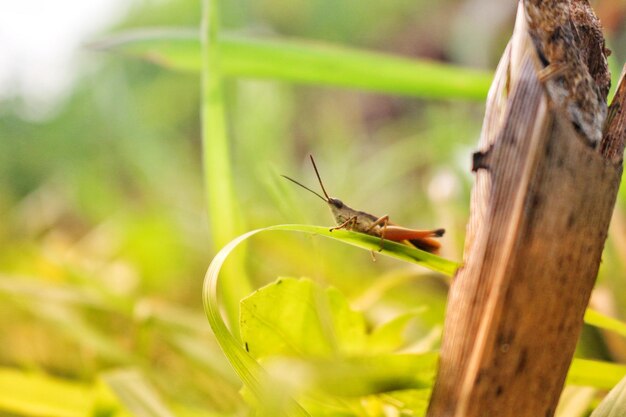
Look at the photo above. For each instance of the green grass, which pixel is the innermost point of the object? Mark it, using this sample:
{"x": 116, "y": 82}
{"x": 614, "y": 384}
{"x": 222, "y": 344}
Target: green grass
{"x": 305, "y": 62}
{"x": 224, "y": 216}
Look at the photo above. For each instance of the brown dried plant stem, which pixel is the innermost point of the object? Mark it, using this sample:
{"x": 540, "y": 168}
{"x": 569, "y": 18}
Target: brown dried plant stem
{"x": 540, "y": 212}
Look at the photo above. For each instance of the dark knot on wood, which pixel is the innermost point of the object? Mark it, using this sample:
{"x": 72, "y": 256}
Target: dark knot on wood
{"x": 480, "y": 160}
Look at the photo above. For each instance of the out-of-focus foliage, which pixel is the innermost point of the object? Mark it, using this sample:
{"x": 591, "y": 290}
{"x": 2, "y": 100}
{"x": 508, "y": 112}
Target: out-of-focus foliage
{"x": 104, "y": 238}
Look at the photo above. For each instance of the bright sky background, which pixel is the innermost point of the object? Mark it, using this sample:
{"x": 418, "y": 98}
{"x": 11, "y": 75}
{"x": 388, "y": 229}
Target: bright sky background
{"x": 40, "y": 41}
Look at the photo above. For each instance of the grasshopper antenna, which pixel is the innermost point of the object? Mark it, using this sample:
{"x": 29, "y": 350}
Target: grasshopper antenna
{"x": 319, "y": 179}
{"x": 304, "y": 186}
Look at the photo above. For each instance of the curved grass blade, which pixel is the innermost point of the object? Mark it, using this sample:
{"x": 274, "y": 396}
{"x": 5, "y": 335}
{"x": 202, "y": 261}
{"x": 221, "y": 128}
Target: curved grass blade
{"x": 249, "y": 371}
{"x": 245, "y": 366}
{"x": 390, "y": 248}
{"x": 303, "y": 61}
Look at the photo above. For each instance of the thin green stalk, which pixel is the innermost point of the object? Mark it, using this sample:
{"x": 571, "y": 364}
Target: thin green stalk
{"x": 220, "y": 196}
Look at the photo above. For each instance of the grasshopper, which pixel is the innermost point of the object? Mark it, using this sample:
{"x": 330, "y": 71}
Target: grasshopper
{"x": 360, "y": 221}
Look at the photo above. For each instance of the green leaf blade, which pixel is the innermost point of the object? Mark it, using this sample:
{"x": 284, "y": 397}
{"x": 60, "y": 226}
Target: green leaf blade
{"x": 392, "y": 249}
{"x": 32, "y": 394}
{"x": 602, "y": 321}
{"x": 308, "y": 62}
{"x": 598, "y": 374}
{"x": 304, "y": 62}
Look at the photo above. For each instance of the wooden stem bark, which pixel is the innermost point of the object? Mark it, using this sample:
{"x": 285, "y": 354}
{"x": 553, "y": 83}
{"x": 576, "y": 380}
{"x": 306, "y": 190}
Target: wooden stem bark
{"x": 546, "y": 184}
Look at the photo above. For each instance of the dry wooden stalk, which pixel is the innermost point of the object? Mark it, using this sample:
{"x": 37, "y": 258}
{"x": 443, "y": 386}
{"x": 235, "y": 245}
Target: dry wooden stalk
{"x": 546, "y": 184}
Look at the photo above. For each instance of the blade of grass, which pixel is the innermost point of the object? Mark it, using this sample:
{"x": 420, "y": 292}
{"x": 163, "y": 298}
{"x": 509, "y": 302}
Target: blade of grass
{"x": 392, "y": 249}
{"x": 220, "y": 196}
{"x": 249, "y": 371}
{"x": 306, "y": 62}
{"x": 598, "y": 374}
{"x": 597, "y": 319}
{"x": 30, "y": 394}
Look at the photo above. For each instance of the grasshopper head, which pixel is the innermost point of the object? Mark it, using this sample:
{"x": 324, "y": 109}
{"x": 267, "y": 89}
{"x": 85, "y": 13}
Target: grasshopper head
{"x": 340, "y": 211}
{"x": 335, "y": 202}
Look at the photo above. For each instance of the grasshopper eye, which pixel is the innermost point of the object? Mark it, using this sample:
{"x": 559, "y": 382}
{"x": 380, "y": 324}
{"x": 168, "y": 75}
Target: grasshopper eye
{"x": 336, "y": 202}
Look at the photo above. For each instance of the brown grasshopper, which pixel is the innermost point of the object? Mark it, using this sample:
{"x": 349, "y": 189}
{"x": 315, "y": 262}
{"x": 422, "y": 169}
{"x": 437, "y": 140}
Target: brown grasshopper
{"x": 360, "y": 221}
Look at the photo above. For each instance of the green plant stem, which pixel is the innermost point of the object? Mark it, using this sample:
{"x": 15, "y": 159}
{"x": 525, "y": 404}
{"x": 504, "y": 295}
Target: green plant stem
{"x": 222, "y": 208}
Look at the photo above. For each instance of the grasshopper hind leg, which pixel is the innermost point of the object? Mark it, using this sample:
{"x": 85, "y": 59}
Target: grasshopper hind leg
{"x": 426, "y": 244}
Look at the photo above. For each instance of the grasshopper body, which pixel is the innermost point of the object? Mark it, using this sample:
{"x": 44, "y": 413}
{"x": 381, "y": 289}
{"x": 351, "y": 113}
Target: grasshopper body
{"x": 360, "y": 221}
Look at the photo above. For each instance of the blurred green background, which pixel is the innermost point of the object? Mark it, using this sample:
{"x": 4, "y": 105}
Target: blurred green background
{"x": 104, "y": 239}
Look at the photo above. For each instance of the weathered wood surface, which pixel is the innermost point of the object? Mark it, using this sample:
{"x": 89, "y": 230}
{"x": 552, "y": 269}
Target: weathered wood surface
{"x": 540, "y": 212}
